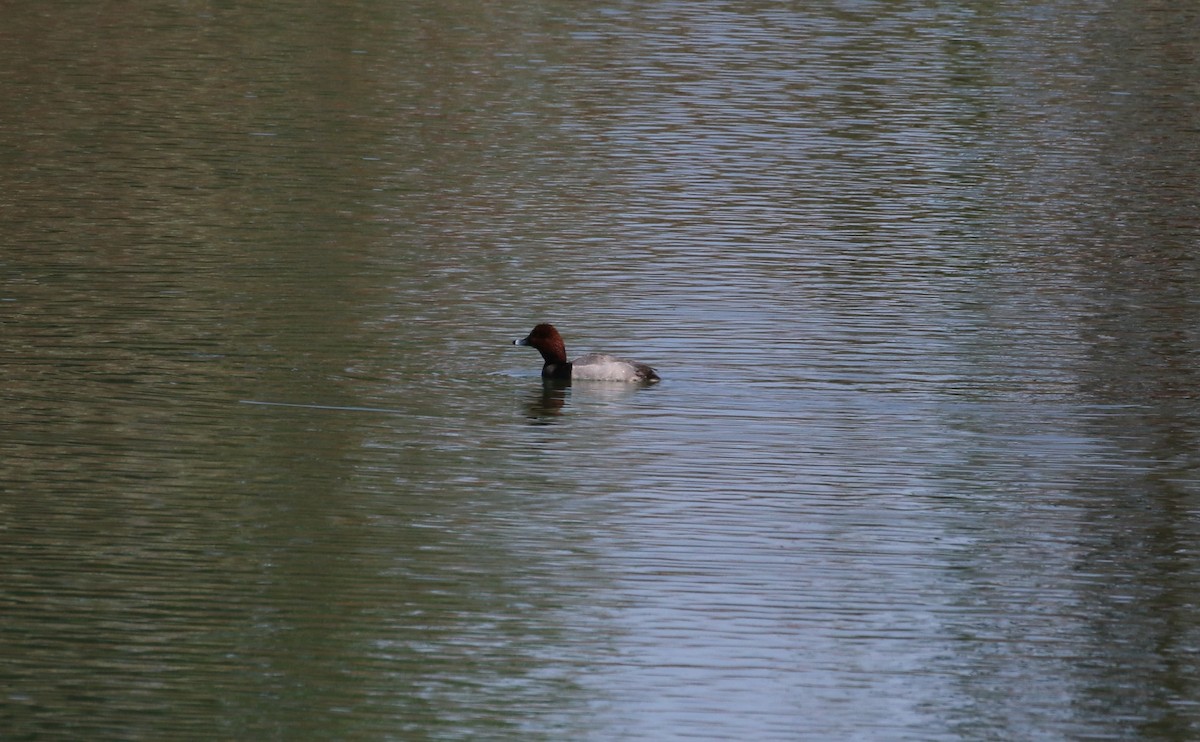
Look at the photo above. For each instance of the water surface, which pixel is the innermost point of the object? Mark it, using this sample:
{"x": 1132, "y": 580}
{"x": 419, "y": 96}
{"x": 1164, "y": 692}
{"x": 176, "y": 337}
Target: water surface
{"x": 921, "y": 282}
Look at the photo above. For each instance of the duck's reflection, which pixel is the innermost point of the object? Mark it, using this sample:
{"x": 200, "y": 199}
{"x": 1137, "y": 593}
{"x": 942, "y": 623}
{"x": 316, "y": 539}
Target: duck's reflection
{"x": 550, "y": 400}
{"x": 547, "y": 403}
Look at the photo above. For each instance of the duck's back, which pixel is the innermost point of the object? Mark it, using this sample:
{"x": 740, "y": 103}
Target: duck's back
{"x": 603, "y": 367}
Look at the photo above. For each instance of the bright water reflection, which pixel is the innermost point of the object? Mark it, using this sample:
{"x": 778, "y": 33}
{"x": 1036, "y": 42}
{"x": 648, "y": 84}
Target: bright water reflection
{"x": 921, "y": 282}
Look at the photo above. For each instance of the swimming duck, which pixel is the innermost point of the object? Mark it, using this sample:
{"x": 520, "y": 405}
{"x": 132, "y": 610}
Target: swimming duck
{"x": 593, "y": 366}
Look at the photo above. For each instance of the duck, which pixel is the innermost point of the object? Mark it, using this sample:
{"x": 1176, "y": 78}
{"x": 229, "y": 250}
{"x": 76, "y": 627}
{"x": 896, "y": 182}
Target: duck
{"x": 593, "y": 366}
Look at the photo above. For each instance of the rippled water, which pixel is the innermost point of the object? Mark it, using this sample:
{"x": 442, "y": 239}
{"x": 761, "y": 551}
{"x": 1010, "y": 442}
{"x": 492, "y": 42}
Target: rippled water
{"x": 921, "y": 281}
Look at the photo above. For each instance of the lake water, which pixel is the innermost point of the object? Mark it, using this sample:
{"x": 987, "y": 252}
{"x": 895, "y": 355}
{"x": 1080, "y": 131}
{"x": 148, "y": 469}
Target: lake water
{"x": 922, "y": 282}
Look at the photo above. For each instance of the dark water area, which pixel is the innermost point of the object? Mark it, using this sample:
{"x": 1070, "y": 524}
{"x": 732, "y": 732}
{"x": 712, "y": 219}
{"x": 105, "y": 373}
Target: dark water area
{"x": 921, "y": 281}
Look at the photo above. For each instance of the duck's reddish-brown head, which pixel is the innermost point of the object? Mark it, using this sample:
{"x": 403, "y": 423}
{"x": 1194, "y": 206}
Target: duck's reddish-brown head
{"x": 547, "y": 341}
